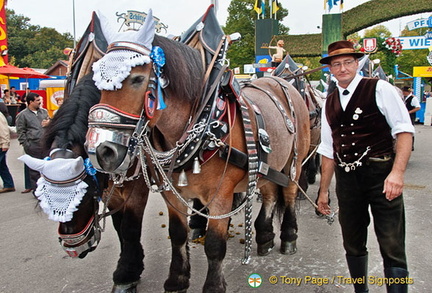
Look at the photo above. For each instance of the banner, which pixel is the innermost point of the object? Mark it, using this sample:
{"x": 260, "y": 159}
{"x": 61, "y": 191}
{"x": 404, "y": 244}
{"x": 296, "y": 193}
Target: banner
{"x": 3, "y": 34}
{"x": 415, "y": 42}
{"x": 54, "y": 98}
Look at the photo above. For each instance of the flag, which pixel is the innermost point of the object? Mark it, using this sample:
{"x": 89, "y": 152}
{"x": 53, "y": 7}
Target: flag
{"x": 257, "y": 6}
{"x": 263, "y": 8}
{"x": 275, "y": 6}
{"x": 330, "y": 3}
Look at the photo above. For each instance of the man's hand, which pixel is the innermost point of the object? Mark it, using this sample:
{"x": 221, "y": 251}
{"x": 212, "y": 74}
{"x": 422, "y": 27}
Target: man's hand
{"x": 323, "y": 203}
{"x": 393, "y": 185}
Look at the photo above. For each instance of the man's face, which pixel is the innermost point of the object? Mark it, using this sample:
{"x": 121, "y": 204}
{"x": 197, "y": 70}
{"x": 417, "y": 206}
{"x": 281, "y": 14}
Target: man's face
{"x": 344, "y": 69}
{"x": 36, "y": 104}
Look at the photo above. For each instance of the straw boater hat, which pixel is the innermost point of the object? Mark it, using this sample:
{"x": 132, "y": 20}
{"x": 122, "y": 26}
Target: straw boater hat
{"x": 340, "y": 48}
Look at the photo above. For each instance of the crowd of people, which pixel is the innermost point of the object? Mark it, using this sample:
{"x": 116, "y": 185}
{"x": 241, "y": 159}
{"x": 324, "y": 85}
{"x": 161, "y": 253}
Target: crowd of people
{"x": 29, "y": 127}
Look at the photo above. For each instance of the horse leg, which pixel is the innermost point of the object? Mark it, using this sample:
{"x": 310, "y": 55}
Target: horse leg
{"x": 179, "y": 272}
{"x": 303, "y": 180}
{"x": 128, "y": 223}
{"x": 289, "y": 226}
{"x": 312, "y": 169}
{"x": 215, "y": 249}
{"x": 264, "y": 222}
{"x": 197, "y": 223}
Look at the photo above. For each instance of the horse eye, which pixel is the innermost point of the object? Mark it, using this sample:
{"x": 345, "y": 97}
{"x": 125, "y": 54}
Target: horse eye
{"x": 138, "y": 79}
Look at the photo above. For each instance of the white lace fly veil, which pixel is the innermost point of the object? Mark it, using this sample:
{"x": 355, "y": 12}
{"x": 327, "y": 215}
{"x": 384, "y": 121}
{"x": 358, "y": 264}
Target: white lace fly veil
{"x": 115, "y": 66}
{"x": 61, "y": 187}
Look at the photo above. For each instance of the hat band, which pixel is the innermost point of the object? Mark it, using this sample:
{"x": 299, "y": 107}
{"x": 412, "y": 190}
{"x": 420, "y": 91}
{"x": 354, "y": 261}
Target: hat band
{"x": 342, "y": 51}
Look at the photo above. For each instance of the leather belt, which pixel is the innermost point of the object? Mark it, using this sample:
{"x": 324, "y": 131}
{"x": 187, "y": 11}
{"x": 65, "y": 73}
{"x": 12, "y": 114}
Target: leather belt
{"x": 384, "y": 158}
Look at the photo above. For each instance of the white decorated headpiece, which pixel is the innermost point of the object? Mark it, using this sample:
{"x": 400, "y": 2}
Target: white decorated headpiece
{"x": 126, "y": 50}
{"x": 61, "y": 188}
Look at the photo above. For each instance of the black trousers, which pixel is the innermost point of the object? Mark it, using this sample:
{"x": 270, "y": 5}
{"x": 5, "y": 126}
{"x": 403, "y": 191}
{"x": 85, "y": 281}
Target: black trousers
{"x": 360, "y": 189}
{"x": 34, "y": 149}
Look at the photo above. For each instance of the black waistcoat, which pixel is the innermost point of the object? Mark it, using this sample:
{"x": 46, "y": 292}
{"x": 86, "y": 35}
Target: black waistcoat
{"x": 360, "y": 126}
{"x": 410, "y": 107}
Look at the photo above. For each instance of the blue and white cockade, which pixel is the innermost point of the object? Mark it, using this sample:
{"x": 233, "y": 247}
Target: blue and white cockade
{"x": 125, "y": 51}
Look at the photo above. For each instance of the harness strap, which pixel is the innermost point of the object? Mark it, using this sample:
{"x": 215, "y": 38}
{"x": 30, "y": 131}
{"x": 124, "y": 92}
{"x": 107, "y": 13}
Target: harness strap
{"x": 252, "y": 182}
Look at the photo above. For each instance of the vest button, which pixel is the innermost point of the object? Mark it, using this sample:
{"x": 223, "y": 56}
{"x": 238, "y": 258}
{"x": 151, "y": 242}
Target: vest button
{"x": 355, "y": 154}
{"x": 353, "y": 143}
{"x": 352, "y": 132}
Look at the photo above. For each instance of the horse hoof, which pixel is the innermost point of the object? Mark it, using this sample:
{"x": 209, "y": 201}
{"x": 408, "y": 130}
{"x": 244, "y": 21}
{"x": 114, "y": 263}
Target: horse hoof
{"x": 300, "y": 196}
{"x": 288, "y": 247}
{"x": 197, "y": 233}
{"x": 125, "y": 288}
{"x": 264, "y": 249}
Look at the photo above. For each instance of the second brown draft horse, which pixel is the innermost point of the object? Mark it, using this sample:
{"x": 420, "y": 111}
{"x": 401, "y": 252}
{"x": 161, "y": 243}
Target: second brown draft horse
{"x": 64, "y": 138}
{"x": 169, "y": 108}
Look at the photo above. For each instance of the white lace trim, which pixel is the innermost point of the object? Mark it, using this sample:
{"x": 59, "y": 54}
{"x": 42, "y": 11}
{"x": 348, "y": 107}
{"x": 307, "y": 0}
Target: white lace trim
{"x": 60, "y": 202}
{"x": 114, "y": 67}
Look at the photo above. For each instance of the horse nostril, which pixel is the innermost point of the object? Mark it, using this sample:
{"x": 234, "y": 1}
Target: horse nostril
{"x": 111, "y": 156}
{"x": 108, "y": 156}
{"x": 107, "y": 151}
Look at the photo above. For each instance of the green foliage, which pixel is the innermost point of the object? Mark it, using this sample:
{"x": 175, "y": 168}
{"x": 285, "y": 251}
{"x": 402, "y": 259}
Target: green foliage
{"x": 33, "y": 46}
{"x": 241, "y": 18}
{"x": 367, "y": 14}
{"x": 411, "y": 58}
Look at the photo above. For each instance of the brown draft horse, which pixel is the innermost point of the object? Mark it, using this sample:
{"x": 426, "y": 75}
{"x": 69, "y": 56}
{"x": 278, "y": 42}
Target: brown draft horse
{"x": 127, "y": 121}
{"x": 314, "y": 99}
{"x": 66, "y": 136}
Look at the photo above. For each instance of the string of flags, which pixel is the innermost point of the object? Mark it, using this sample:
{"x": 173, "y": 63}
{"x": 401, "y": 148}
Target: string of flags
{"x": 260, "y": 8}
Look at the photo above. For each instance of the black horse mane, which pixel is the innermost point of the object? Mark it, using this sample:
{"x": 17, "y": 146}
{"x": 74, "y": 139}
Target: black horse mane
{"x": 69, "y": 125}
{"x": 183, "y": 68}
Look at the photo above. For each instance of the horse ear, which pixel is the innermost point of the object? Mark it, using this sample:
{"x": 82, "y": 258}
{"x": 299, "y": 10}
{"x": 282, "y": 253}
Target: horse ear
{"x": 147, "y": 31}
{"x": 144, "y": 36}
{"x": 33, "y": 163}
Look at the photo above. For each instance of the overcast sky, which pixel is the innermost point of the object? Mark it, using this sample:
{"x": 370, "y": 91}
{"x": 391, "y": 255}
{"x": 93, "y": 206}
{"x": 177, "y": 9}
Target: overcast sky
{"x": 304, "y": 15}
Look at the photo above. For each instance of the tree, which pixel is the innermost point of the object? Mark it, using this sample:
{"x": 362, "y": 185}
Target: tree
{"x": 33, "y": 46}
{"x": 241, "y": 18}
{"x": 411, "y": 58}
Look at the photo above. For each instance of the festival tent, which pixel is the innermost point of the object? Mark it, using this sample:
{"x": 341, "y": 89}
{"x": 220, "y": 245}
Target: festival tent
{"x": 13, "y": 71}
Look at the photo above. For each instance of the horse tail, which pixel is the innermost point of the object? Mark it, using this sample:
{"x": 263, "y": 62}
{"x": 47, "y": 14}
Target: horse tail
{"x": 280, "y": 205}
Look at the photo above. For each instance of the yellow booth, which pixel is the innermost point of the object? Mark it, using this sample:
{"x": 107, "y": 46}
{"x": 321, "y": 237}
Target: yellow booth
{"x": 55, "y": 93}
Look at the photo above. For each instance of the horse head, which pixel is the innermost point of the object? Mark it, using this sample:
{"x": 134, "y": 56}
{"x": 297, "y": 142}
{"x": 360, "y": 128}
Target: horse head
{"x": 137, "y": 83}
{"x": 69, "y": 190}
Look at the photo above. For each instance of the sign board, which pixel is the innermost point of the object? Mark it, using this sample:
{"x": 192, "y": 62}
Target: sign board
{"x": 416, "y": 42}
{"x": 370, "y": 44}
{"x": 248, "y": 68}
{"x": 419, "y": 23}
{"x": 422, "y": 71}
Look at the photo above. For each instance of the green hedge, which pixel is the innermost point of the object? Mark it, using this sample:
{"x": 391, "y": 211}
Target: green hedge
{"x": 354, "y": 20}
